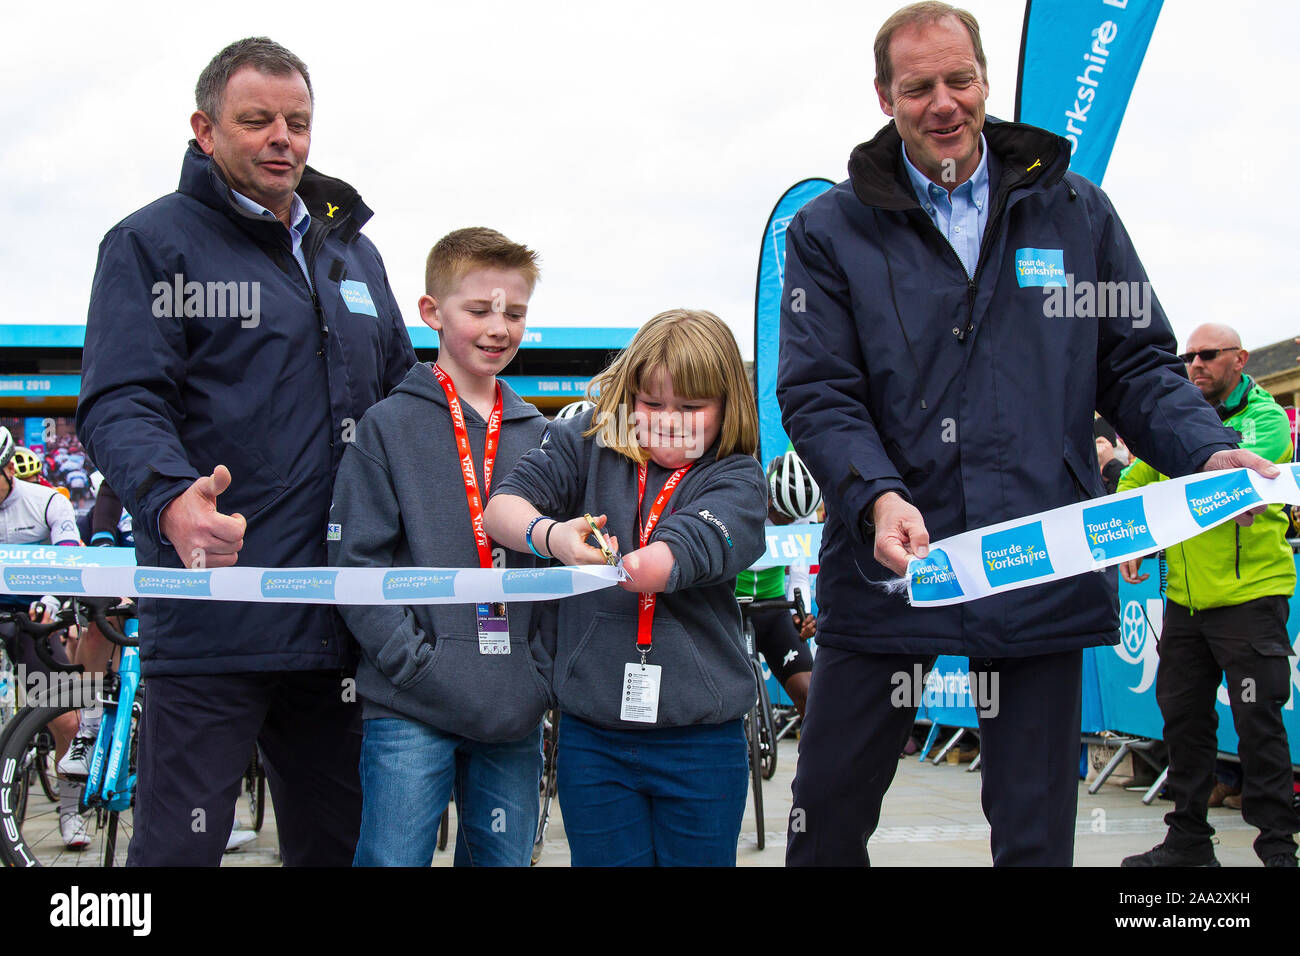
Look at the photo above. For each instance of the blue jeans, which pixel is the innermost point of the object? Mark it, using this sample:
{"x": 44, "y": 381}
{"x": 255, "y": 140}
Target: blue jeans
{"x": 671, "y": 796}
{"x": 409, "y": 771}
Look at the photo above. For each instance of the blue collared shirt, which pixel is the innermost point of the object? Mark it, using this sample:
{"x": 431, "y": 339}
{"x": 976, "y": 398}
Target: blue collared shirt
{"x": 961, "y": 217}
{"x": 297, "y": 215}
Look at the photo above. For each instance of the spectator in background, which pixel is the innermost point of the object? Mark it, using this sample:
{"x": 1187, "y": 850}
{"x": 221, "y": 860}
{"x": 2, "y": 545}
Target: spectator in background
{"x": 1228, "y": 600}
{"x": 1112, "y": 455}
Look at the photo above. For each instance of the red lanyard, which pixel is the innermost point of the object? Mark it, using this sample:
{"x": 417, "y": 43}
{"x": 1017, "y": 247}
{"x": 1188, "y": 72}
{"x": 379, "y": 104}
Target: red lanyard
{"x": 472, "y": 496}
{"x": 645, "y": 612}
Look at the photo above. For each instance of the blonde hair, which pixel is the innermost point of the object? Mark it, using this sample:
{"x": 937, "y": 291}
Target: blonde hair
{"x": 458, "y": 253}
{"x": 701, "y": 357}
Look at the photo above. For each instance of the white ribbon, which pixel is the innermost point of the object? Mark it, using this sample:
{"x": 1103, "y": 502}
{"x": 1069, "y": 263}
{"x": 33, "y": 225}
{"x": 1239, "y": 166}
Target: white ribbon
{"x": 1089, "y": 535}
{"x": 74, "y": 571}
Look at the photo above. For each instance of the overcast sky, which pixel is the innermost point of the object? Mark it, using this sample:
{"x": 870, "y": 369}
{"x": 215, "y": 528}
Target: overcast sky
{"x": 638, "y": 149}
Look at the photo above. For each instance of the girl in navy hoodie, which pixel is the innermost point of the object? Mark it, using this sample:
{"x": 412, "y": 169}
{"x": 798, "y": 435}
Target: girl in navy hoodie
{"x": 653, "y": 679}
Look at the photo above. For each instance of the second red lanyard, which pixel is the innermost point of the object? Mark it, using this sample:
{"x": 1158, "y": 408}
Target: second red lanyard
{"x": 645, "y": 613}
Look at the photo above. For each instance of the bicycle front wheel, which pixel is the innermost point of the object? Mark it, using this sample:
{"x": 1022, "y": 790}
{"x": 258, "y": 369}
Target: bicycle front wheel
{"x": 34, "y": 838}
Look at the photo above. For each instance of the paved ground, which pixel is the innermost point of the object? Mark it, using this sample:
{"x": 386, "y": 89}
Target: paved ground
{"x": 931, "y": 817}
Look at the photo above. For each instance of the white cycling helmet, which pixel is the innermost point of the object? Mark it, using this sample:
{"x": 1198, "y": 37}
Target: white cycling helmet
{"x": 7, "y": 446}
{"x": 792, "y": 487}
{"x": 574, "y": 409}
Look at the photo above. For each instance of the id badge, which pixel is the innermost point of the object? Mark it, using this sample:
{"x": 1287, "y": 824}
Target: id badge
{"x": 493, "y": 628}
{"x": 641, "y": 693}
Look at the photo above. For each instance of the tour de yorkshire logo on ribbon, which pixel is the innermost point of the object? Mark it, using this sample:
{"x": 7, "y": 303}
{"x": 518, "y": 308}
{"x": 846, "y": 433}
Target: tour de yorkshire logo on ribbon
{"x": 1017, "y": 554}
{"x": 933, "y": 578}
{"x": 1209, "y": 498}
{"x": 1117, "y": 528}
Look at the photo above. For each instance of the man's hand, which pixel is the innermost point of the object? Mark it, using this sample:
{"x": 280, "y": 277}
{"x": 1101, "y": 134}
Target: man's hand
{"x": 900, "y": 532}
{"x": 1240, "y": 458}
{"x": 202, "y": 535}
{"x": 809, "y": 627}
{"x": 1129, "y": 571}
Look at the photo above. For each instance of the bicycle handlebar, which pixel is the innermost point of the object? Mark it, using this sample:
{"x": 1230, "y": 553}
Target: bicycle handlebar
{"x": 749, "y": 605}
{"x": 100, "y": 613}
{"x": 40, "y": 634}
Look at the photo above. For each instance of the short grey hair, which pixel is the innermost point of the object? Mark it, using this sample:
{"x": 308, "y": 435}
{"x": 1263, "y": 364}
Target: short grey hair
{"x": 923, "y": 14}
{"x": 261, "y": 53}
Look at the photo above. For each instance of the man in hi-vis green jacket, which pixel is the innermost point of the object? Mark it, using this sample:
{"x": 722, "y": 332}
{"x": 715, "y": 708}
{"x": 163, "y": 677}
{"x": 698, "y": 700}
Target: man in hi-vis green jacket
{"x": 1228, "y": 599}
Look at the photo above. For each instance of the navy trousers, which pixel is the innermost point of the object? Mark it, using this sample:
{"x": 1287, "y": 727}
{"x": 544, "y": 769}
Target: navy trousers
{"x": 196, "y": 737}
{"x": 854, "y": 730}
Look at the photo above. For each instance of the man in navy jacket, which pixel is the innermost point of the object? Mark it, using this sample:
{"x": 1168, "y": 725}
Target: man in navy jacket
{"x": 934, "y": 380}
{"x": 238, "y": 329}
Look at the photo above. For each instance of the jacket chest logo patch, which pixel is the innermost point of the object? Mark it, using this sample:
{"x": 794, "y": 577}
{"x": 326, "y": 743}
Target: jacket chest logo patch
{"x": 1040, "y": 267}
{"x": 356, "y": 296}
{"x": 1017, "y": 554}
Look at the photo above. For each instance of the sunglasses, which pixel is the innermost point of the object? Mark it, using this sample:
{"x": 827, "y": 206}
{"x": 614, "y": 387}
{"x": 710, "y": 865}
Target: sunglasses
{"x": 1205, "y": 355}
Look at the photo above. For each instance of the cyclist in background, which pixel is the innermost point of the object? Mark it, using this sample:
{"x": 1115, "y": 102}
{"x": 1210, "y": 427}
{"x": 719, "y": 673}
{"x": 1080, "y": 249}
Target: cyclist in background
{"x": 29, "y": 467}
{"x": 33, "y": 514}
{"x": 793, "y": 496}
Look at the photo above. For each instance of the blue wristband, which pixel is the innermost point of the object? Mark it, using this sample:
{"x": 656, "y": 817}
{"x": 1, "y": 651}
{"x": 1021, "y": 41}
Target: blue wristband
{"x": 528, "y": 536}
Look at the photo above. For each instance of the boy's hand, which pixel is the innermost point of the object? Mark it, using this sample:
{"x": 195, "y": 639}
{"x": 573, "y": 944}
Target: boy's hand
{"x": 568, "y": 541}
{"x": 648, "y": 568}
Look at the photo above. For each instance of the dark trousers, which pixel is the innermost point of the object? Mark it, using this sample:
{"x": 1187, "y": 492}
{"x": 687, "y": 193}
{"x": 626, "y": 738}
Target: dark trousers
{"x": 1247, "y": 643}
{"x": 856, "y": 726}
{"x": 196, "y": 737}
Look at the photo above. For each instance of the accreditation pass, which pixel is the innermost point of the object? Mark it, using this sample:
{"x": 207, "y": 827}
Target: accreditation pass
{"x": 641, "y": 693}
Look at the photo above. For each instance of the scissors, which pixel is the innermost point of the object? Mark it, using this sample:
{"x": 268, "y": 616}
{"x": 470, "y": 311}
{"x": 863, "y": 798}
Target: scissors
{"x": 612, "y": 558}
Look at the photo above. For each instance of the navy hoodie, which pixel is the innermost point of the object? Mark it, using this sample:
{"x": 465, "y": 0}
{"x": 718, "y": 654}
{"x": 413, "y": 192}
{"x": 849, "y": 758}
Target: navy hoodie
{"x": 399, "y": 501}
{"x": 713, "y": 524}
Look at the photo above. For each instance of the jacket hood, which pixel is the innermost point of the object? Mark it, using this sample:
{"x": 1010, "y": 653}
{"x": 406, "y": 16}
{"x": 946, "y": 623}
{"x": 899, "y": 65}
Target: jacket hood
{"x": 422, "y": 383}
{"x": 326, "y": 198}
{"x": 1028, "y": 155}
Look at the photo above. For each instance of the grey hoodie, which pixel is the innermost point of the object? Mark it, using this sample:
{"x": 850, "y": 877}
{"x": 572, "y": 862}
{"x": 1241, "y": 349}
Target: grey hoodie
{"x": 713, "y": 523}
{"x": 399, "y": 501}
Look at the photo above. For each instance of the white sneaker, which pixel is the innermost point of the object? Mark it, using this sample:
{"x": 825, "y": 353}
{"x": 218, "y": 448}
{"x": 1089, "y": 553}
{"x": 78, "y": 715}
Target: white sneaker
{"x": 238, "y": 838}
{"x": 75, "y": 763}
{"x": 72, "y": 827}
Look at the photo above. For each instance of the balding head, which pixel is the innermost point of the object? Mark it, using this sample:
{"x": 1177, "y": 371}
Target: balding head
{"x": 1217, "y": 377}
{"x": 1213, "y": 335}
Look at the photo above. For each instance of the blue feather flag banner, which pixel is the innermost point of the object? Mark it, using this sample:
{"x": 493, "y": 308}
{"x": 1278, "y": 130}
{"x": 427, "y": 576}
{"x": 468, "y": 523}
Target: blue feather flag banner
{"x": 1079, "y": 60}
{"x": 767, "y": 312}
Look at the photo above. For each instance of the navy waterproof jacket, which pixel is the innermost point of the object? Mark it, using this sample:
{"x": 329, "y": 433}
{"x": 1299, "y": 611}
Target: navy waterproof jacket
{"x": 172, "y": 388}
{"x": 971, "y": 395}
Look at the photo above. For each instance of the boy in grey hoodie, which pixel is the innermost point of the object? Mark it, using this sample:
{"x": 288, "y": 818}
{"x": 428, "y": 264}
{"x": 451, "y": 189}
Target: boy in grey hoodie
{"x": 453, "y": 694}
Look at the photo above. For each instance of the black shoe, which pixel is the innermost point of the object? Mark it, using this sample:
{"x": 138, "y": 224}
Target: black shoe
{"x": 1281, "y": 859}
{"x": 1162, "y": 855}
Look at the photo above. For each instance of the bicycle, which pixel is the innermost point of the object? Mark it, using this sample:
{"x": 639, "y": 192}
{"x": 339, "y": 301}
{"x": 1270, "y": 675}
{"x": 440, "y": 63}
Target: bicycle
{"x": 255, "y": 789}
{"x": 546, "y": 789}
{"x": 760, "y": 726}
{"x": 29, "y": 836}
{"x": 37, "y": 767}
